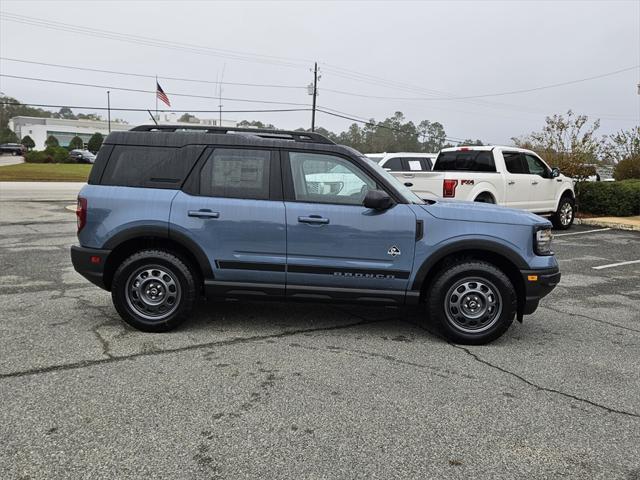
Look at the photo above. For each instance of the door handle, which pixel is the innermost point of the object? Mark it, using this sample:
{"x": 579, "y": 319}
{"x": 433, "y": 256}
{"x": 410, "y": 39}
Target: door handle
{"x": 314, "y": 220}
{"x": 408, "y": 175}
{"x": 534, "y": 183}
{"x": 204, "y": 213}
{"x": 511, "y": 182}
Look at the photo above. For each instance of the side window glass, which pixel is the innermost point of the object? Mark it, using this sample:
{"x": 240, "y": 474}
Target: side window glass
{"x": 513, "y": 162}
{"x": 394, "y": 164}
{"x": 414, "y": 164}
{"x": 236, "y": 173}
{"x": 536, "y": 167}
{"x": 323, "y": 178}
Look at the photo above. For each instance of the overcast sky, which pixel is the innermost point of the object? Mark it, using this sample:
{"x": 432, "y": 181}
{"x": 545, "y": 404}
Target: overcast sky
{"x": 417, "y": 50}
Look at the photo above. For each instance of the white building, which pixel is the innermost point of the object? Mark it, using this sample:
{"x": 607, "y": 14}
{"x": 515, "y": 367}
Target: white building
{"x": 39, "y": 129}
{"x": 172, "y": 119}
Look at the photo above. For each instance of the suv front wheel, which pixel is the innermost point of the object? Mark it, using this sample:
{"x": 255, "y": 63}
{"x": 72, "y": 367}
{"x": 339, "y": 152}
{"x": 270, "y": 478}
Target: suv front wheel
{"x": 473, "y": 302}
{"x": 153, "y": 290}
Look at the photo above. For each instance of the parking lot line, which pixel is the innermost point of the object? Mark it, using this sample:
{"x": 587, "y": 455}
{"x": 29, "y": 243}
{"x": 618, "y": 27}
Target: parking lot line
{"x": 615, "y": 264}
{"x": 580, "y": 233}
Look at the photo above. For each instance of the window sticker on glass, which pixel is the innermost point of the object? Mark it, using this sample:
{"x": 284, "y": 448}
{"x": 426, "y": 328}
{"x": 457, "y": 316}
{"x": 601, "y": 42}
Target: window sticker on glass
{"x": 415, "y": 165}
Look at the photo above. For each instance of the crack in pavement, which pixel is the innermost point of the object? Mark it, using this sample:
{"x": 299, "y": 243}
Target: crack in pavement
{"x": 199, "y": 346}
{"x": 540, "y": 387}
{"x": 598, "y": 320}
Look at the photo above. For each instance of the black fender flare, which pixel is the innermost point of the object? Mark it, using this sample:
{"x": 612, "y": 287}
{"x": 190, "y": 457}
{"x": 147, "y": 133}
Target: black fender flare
{"x": 466, "y": 245}
{"x": 163, "y": 232}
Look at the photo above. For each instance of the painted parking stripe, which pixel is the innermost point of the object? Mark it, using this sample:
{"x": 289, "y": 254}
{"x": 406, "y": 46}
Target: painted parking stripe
{"x": 580, "y": 233}
{"x": 611, "y": 265}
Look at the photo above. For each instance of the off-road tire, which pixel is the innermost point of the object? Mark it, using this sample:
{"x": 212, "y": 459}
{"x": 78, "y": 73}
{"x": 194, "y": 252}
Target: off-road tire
{"x": 477, "y": 280}
{"x": 163, "y": 296}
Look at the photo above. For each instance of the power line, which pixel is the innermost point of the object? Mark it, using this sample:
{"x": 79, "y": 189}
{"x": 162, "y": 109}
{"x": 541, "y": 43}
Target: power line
{"x": 511, "y": 92}
{"x": 77, "y": 107}
{"x": 154, "y": 42}
{"x": 141, "y": 75}
{"x": 137, "y": 90}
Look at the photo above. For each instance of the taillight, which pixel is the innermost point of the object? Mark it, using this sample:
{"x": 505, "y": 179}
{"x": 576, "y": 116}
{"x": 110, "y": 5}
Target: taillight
{"x": 81, "y": 213}
{"x": 449, "y": 188}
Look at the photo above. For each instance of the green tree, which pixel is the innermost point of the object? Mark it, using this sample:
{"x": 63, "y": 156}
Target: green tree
{"x": 95, "y": 142}
{"x": 51, "y": 141}
{"x": 432, "y": 135}
{"x": 28, "y": 142}
{"x": 66, "y": 113}
{"x": 568, "y": 142}
{"x": 76, "y": 143}
{"x": 186, "y": 117}
{"x": 627, "y": 168}
{"x": 622, "y": 145}
{"x": 8, "y": 136}
{"x": 471, "y": 143}
{"x": 255, "y": 124}
{"x": 10, "y": 107}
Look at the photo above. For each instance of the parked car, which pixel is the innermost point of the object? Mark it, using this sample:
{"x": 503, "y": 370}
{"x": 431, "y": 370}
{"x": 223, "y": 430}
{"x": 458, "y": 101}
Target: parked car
{"x": 13, "y": 148}
{"x": 509, "y": 176}
{"x": 168, "y": 216}
{"x": 405, "y": 162}
{"x": 82, "y": 156}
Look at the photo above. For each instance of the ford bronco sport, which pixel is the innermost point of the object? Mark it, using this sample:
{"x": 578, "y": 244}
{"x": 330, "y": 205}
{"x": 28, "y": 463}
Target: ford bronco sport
{"x": 170, "y": 214}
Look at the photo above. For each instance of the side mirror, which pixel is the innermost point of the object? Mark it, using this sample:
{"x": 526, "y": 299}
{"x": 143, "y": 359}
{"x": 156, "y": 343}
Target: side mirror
{"x": 377, "y": 200}
{"x": 555, "y": 172}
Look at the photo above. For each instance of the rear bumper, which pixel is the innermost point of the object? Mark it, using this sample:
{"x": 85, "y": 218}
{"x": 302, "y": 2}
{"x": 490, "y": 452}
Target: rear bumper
{"x": 90, "y": 262}
{"x": 537, "y": 284}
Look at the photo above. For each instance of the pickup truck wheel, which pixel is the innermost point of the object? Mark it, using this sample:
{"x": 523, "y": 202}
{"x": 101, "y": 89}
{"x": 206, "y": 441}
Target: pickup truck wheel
{"x": 153, "y": 290}
{"x": 562, "y": 219}
{"x": 473, "y": 302}
{"x": 485, "y": 198}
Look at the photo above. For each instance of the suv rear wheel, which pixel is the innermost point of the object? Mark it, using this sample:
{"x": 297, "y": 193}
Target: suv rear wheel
{"x": 153, "y": 290}
{"x": 473, "y": 302}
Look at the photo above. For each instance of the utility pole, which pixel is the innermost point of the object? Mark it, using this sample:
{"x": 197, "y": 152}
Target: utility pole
{"x": 109, "y": 110}
{"x": 315, "y": 94}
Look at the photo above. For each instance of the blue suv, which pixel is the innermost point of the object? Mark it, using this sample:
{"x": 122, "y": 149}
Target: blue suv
{"x": 172, "y": 213}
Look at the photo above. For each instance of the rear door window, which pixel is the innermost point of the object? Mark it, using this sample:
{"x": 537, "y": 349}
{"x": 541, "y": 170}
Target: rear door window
{"x": 236, "y": 173}
{"x": 514, "y": 161}
{"x": 465, "y": 160}
{"x": 417, "y": 164}
{"x": 393, "y": 164}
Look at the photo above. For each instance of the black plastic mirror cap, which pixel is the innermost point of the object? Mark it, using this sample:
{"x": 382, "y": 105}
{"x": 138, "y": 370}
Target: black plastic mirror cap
{"x": 378, "y": 200}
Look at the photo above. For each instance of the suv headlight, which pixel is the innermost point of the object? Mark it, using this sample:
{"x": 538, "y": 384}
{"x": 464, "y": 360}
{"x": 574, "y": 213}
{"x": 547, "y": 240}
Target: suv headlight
{"x": 543, "y": 240}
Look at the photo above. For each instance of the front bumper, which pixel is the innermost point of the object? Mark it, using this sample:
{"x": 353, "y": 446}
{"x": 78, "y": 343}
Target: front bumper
{"x": 90, "y": 263}
{"x": 537, "y": 284}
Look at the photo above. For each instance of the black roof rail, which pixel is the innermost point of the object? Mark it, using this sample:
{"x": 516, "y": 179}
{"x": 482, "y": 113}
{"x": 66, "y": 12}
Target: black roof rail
{"x": 301, "y": 136}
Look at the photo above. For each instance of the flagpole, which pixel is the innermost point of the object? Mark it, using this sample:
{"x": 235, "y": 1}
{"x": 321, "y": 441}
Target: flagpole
{"x": 157, "y": 117}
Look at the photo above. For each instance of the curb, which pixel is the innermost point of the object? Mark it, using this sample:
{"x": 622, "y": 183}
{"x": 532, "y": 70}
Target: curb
{"x": 594, "y": 222}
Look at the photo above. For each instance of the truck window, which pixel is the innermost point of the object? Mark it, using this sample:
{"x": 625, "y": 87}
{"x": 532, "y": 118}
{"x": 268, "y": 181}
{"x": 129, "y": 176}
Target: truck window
{"x": 536, "y": 167}
{"x": 418, "y": 164}
{"x": 465, "y": 160}
{"x": 393, "y": 164}
{"x": 514, "y": 162}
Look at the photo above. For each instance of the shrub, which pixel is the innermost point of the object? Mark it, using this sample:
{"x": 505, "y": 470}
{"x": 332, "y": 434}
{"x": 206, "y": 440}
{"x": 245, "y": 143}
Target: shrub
{"x": 95, "y": 142}
{"x": 618, "y": 199}
{"x": 51, "y": 141}
{"x": 627, "y": 168}
{"x": 76, "y": 143}
{"x": 28, "y": 142}
{"x": 37, "y": 156}
{"x": 49, "y": 155}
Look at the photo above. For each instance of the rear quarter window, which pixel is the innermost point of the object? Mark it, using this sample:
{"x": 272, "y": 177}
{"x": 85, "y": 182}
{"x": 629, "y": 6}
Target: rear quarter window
{"x": 151, "y": 167}
{"x": 470, "y": 161}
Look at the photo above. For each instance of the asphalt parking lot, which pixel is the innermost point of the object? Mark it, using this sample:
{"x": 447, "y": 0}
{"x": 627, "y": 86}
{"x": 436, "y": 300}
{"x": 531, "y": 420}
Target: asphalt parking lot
{"x": 298, "y": 391}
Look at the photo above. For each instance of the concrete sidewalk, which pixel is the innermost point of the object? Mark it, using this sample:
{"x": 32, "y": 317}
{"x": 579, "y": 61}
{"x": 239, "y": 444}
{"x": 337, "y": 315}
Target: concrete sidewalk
{"x": 39, "y": 191}
{"x": 620, "y": 223}
{"x": 6, "y": 160}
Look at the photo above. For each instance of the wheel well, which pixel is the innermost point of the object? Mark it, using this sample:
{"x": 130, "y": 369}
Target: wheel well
{"x": 497, "y": 260}
{"x": 485, "y": 194}
{"x": 129, "y": 247}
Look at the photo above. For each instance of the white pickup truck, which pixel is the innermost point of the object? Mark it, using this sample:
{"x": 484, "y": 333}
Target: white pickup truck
{"x": 507, "y": 176}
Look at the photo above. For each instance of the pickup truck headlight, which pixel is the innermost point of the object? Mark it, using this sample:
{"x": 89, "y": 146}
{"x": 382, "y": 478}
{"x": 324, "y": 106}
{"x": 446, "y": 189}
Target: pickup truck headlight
{"x": 543, "y": 240}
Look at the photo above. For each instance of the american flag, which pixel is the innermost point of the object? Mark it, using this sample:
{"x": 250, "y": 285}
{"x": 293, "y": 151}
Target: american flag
{"x": 161, "y": 95}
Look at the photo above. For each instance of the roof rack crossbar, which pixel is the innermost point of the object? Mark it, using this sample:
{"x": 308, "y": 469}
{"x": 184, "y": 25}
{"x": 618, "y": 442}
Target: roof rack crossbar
{"x": 309, "y": 137}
